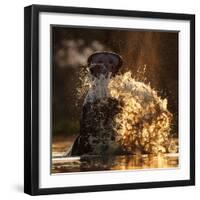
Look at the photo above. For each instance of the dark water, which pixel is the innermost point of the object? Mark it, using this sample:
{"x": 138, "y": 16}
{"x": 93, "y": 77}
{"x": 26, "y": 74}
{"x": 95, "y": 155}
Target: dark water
{"x": 126, "y": 162}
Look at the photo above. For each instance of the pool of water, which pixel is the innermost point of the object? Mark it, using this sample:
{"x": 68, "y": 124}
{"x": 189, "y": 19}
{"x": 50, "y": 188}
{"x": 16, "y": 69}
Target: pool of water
{"x": 62, "y": 164}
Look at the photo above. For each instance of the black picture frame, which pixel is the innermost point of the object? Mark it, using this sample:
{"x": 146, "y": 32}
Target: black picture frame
{"x": 31, "y": 99}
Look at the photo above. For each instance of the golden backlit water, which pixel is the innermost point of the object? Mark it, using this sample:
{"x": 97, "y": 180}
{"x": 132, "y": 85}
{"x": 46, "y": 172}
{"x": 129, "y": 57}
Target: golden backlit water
{"x": 62, "y": 164}
{"x": 142, "y": 118}
{"x": 126, "y": 162}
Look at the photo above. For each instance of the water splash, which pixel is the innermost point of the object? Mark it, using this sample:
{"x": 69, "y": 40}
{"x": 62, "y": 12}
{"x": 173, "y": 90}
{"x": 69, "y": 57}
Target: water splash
{"x": 143, "y": 124}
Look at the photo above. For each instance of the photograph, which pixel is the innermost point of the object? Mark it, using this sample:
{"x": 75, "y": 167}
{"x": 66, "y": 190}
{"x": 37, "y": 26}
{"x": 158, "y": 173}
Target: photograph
{"x": 98, "y": 100}
{"x": 114, "y": 99}
{"x": 109, "y": 99}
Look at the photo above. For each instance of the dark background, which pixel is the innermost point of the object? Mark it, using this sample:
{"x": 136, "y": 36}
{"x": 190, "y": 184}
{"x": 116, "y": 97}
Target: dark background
{"x": 71, "y": 48}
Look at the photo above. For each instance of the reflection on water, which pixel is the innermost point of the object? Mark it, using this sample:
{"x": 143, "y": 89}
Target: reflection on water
{"x": 126, "y": 162}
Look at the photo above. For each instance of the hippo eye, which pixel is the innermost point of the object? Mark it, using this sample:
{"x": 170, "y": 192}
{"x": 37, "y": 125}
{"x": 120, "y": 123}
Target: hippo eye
{"x": 92, "y": 70}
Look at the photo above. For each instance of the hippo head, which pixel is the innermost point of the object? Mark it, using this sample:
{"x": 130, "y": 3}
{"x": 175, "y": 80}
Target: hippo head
{"x": 104, "y": 63}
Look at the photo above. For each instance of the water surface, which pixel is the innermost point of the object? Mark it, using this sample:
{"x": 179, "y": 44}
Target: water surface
{"x": 101, "y": 163}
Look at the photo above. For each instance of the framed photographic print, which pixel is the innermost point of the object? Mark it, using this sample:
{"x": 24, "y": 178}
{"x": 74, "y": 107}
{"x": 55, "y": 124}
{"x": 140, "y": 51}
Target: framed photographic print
{"x": 109, "y": 100}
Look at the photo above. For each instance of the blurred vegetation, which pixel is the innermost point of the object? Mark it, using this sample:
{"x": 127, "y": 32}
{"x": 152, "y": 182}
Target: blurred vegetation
{"x": 66, "y": 125}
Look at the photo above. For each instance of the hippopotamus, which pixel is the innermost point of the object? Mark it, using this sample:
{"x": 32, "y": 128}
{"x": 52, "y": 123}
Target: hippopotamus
{"x": 97, "y": 135}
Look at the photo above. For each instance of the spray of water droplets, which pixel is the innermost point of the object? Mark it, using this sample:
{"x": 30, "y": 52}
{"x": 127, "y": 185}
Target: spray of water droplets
{"x": 143, "y": 124}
